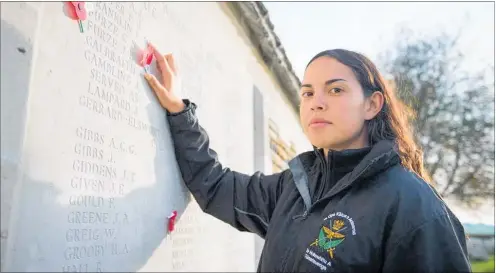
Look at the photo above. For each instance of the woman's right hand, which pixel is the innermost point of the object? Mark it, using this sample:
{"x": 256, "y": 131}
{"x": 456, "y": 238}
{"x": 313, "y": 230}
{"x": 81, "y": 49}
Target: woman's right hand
{"x": 165, "y": 87}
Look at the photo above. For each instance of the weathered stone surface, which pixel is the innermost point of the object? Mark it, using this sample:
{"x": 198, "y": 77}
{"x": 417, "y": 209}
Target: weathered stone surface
{"x": 88, "y": 169}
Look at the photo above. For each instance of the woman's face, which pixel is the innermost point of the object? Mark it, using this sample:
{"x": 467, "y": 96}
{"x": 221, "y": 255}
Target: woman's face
{"x": 333, "y": 107}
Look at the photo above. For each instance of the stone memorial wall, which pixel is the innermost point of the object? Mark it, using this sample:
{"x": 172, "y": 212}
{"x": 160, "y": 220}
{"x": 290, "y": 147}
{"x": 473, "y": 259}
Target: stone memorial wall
{"x": 88, "y": 169}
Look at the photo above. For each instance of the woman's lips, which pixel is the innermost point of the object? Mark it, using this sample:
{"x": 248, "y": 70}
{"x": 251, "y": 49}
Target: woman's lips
{"x": 318, "y": 123}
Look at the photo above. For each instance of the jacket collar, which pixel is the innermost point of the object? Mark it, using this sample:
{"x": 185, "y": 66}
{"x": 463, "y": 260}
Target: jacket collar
{"x": 342, "y": 161}
{"x": 383, "y": 155}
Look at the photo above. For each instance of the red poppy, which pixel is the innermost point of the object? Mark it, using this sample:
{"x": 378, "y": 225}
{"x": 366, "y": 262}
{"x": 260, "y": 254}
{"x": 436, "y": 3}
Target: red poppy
{"x": 172, "y": 220}
{"x": 76, "y": 10}
{"x": 145, "y": 56}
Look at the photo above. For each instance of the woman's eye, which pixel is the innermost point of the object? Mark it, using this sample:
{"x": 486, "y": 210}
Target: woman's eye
{"x": 335, "y": 90}
{"x": 306, "y": 94}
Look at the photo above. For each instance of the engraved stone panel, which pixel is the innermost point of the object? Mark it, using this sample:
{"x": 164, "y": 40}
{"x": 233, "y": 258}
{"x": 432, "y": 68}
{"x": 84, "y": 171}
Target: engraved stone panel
{"x": 90, "y": 169}
{"x": 99, "y": 175}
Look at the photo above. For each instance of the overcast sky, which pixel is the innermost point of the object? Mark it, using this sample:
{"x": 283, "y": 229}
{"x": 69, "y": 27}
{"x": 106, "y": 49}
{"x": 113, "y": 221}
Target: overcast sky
{"x": 306, "y": 28}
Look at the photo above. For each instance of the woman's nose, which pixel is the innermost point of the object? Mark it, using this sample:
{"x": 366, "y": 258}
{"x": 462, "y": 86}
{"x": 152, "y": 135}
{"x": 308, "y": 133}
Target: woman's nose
{"x": 319, "y": 102}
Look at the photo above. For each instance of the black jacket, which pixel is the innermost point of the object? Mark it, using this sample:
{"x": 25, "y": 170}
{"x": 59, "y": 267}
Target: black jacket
{"x": 358, "y": 211}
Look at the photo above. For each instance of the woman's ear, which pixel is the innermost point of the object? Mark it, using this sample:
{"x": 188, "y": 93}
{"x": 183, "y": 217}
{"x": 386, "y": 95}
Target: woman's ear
{"x": 373, "y": 105}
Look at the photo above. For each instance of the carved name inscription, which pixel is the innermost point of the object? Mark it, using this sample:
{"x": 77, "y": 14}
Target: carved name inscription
{"x": 96, "y": 220}
{"x": 184, "y": 246}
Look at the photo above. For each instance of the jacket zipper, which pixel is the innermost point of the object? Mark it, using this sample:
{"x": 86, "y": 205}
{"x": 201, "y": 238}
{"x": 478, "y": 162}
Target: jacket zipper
{"x": 322, "y": 185}
{"x": 345, "y": 187}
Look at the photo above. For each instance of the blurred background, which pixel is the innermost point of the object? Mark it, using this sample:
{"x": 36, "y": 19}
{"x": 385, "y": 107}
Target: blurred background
{"x": 242, "y": 63}
{"x": 440, "y": 58}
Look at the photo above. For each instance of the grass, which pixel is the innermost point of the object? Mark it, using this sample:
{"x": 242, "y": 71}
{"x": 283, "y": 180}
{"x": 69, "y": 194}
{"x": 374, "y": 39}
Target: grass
{"x": 487, "y": 266}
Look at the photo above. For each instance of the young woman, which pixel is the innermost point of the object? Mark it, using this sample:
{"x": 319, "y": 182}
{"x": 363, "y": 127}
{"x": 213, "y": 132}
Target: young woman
{"x": 359, "y": 202}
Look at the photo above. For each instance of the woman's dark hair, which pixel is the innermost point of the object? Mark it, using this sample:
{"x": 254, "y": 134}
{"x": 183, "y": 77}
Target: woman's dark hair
{"x": 393, "y": 121}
